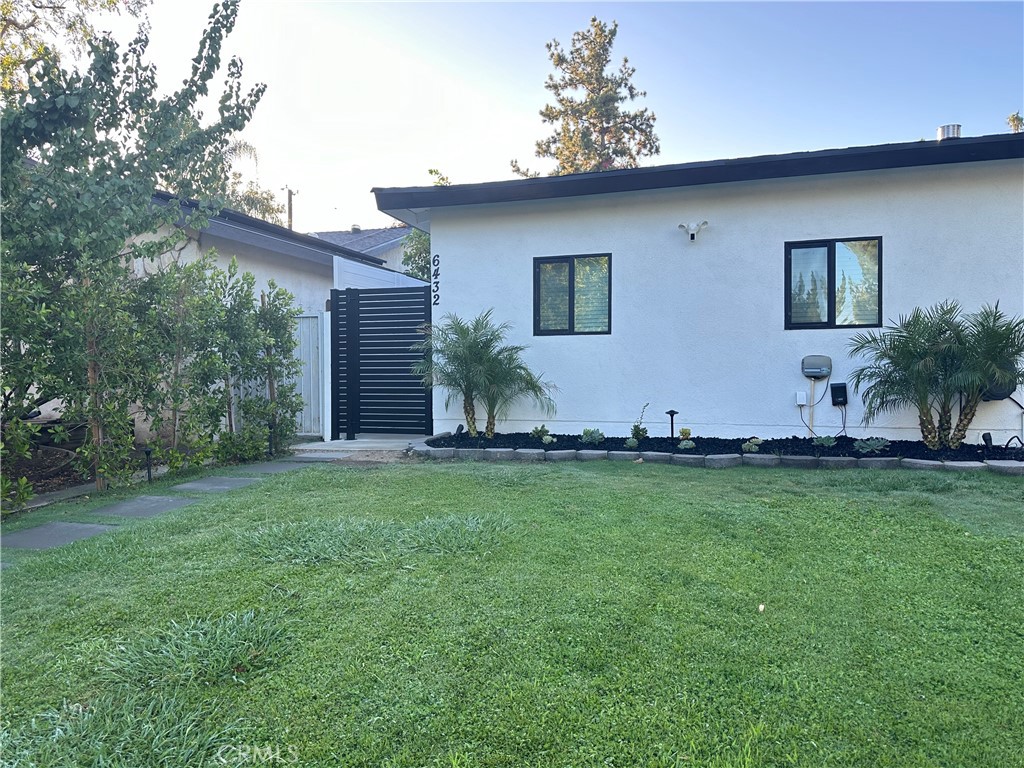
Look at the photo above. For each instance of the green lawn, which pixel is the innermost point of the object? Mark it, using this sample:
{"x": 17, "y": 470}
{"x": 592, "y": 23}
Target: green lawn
{"x": 597, "y": 614}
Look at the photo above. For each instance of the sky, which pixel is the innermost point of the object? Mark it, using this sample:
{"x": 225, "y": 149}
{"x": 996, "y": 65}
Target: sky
{"x": 363, "y": 95}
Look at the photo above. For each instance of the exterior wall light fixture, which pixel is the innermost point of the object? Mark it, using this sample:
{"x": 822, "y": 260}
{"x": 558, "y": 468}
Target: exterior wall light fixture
{"x": 693, "y": 229}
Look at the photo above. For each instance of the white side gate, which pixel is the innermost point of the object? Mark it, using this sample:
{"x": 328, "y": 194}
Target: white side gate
{"x": 308, "y": 350}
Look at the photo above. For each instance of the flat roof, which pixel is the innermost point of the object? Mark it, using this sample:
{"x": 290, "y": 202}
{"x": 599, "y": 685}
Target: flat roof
{"x": 413, "y": 204}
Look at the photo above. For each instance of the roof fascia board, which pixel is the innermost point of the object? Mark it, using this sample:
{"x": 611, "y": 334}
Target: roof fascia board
{"x": 412, "y": 204}
{"x": 238, "y": 227}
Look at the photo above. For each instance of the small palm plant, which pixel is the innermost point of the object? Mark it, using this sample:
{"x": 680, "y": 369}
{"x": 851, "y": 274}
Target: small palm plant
{"x": 470, "y": 360}
{"x": 989, "y": 348}
{"x": 455, "y": 354}
{"x": 933, "y": 357}
{"x": 506, "y": 379}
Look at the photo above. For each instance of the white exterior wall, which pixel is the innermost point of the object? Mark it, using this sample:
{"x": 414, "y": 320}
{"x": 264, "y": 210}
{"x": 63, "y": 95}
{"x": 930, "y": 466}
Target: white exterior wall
{"x": 308, "y": 281}
{"x": 699, "y": 326}
{"x": 352, "y": 274}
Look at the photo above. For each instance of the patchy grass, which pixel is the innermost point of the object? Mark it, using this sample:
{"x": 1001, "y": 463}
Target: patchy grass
{"x": 573, "y": 614}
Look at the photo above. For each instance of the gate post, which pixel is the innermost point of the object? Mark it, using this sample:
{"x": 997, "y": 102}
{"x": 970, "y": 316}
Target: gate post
{"x": 352, "y": 353}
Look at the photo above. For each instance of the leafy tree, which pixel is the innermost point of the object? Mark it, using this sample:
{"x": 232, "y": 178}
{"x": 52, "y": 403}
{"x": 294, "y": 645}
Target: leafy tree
{"x": 1016, "y": 122}
{"x": 82, "y": 154}
{"x": 593, "y": 132}
{"x": 935, "y": 357}
{"x": 29, "y": 27}
{"x": 416, "y": 246}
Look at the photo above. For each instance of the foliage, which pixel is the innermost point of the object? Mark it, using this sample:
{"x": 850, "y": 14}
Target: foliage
{"x": 824, "y": 441}
{"x": 540, "y": 432}
{"x": 471, "y": 361}
{"x": 416, "y": 246}
{"x": 82, "y": 154}
{"x": 592, "y": 436}
{"x": 685, "y": 445}
{"x": 246, "y": 195}
{"x": 30, "y": 28}
{"x": 16, "y": 442}
{"x": 934, "y": 358}
{"x": 1016, "y": 122}
{"x": 549, "y": 439}
{"x": 638, "y": 431}
{"x": 592, "y": 132}
{"x": 416, "y": 254}
{"x": 870, "y": 445}
{"x": 632, "y": 443}
{"x": 685, "y": 433}
{"x": 753, "y": 445}
{"x": 506, "y": 379}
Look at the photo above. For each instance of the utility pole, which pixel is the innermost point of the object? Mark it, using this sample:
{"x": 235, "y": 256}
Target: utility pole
{"x": 291, "y": 193}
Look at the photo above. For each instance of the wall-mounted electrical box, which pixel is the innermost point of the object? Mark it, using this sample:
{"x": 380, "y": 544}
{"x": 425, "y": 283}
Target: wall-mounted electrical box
{"x": 816, "y": 366}
{"x": 839, "y": 394}
{"x": 801, "y": 397}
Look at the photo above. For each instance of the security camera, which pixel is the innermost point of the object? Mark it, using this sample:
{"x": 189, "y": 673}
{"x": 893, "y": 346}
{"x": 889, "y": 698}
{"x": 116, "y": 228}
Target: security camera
{"x": 694, "y": 228}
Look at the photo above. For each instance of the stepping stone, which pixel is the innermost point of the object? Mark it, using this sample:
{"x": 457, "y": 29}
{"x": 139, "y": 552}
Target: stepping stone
{"x": 55, "y": 534}
{"x": 273, "y": 467}
{"x": 215, "y": 484}
{"x": 144, "y": 506}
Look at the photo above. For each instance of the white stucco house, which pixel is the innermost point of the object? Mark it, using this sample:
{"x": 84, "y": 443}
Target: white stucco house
{"x": 701, "y": 287}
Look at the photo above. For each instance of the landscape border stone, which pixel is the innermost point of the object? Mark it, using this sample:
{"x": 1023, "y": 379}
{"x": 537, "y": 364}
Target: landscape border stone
{"x": 656, "y": 457}
{"x": 623, "y": 455}
{"x": 800, "y": 462}
{"x": 919, "y": 465}
{"x": 560, "y": 455}
{"x": 837, "y": 462}
{"x": 760, "y": 460}
{"x": 721, "y": 461}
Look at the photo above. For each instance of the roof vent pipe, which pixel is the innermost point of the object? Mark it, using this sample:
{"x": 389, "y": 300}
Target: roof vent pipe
{"x": 356, "y": 227}
{"x": 951, "y": 131}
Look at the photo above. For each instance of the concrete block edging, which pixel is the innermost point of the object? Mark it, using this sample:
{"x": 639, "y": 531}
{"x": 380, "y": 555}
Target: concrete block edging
{"x": 723, "y": 461}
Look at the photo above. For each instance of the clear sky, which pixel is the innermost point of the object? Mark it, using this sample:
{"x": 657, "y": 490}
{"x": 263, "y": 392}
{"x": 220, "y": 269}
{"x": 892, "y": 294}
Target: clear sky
{"x": 374, "y": 94}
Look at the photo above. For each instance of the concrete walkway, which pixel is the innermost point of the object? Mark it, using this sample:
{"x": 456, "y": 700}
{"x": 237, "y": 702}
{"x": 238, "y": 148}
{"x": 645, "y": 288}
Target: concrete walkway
{"x": 58, "y": 533}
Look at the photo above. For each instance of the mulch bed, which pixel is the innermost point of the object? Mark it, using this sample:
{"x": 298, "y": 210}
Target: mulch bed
{"x": 49, "y": 469}
{"x": 706, "y": 446}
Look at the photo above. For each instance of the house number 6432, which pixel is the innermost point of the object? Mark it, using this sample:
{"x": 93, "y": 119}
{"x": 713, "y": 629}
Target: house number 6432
{"x": 435, "y": 280}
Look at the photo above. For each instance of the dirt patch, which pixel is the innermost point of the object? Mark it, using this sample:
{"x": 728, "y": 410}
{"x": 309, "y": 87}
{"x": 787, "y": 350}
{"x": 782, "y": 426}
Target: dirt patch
{"x": 376, "y": 458}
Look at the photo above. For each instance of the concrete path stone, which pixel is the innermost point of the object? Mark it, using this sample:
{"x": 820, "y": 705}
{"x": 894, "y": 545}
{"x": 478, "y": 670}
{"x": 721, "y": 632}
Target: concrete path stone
{"x": 273, "y": 467}
{"x": 144, "y": 506}
{"x": 1005, "y": 467}
{"x": 55, "y": 534}
{"x": 216, "y": 484}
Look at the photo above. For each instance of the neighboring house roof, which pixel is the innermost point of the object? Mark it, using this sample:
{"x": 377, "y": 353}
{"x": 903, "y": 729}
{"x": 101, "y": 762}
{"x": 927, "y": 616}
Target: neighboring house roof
{"x": 372, "y": 242}
{"x": 413, "y": 204}
{"x": 240, "y": 228}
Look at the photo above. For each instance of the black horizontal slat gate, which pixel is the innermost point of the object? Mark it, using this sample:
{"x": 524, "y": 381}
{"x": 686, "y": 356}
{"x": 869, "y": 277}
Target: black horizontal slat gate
{"x": 372, "y": 333}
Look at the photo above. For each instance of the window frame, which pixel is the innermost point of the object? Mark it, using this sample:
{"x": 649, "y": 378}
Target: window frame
{"x": 830, "y": 246}
{"x": 570, "y": 260}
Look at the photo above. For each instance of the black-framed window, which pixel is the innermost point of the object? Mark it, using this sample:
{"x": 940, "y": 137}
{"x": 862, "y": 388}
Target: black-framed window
{"x": 834, "y": 283}
{"x": 572, "y": 295}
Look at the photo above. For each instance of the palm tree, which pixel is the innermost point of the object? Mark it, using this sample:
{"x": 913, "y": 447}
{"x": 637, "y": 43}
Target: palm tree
{"x": 903, "y": 368}
{"x": 934, "y": 356}
{"x": 507, "y": 379}
{"x": 455, "y": 354}
{"x": 989, "y": 347}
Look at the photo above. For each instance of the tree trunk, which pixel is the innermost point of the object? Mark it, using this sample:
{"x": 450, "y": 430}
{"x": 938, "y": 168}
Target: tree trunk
{"x": 470, "y": 412}
{"x": 929, "y": 434}
{"x": 96, "y": 403}
{"x": 967, "y": 413}
{"x": 231, "y": 403}
{"x": 945, "y": 425}
{"x": 489, "y": 431}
